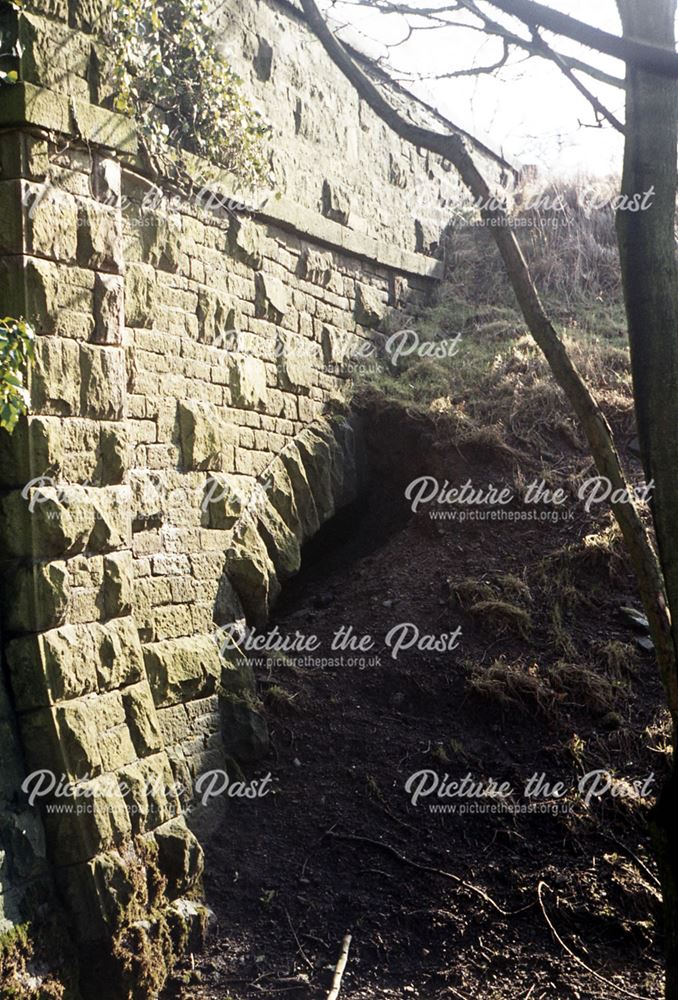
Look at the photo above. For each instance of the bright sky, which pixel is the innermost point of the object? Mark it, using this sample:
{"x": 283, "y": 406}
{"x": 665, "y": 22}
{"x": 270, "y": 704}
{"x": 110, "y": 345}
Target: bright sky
{"x": 528, "y": 110}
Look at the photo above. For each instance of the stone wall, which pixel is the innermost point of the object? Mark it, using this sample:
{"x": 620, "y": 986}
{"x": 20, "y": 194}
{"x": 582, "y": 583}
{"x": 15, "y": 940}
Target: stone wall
{"x": 186, "y": 437}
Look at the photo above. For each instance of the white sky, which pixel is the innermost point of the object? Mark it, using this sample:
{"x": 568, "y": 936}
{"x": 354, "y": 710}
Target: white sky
{"x": 528, "y": 111}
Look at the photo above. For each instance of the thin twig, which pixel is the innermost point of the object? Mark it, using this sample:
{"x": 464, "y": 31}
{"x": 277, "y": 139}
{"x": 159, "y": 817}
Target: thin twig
{"x": 576, "y": 958}
{"x": 341, "y": 966}
{"x": 300, "y": 946}
{"x": 427, "y": 868}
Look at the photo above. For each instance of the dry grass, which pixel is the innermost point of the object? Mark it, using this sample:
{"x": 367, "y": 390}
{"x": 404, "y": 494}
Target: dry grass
{"x": 498, "y": 384}
{"x": 514, "y": 685}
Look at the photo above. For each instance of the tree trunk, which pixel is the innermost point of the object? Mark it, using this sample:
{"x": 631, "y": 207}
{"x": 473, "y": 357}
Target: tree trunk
{"x": 647, "y": 245}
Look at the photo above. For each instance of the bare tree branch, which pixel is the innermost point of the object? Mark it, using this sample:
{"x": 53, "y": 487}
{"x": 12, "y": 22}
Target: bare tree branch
{"x": 597, "y": 105}
{"x": 661, "y": 62}
{"x": 472, "y": 71}
{"x": 490, "y": 27}
{"x": 493, "y": 27}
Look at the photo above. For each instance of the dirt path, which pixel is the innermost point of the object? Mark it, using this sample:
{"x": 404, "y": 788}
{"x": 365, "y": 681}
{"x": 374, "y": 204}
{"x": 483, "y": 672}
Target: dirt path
{"x": 339, "y": 844}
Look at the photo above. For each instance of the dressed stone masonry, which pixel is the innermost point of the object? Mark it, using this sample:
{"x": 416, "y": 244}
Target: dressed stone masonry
{"x": 187, "y": 435}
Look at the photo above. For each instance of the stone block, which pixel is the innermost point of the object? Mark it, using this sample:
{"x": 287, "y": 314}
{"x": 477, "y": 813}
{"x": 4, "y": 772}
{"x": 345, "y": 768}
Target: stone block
{"x": 336, "y": 202}
{"x": 217, "y": 317}
{"x": 142, "y": 719}
{"x": 141, "y": 295}
{"x": 248, "y": 383}
{"x": 36, "y": 597}
{"x": 252, "y": 574}
{"x": 118, "y": 584}
{"x": 316, "y": 267}
{"x": 103, "y": 381}
{"x": 297, "y": 363}
{"x": 35, "y": 443}
{"x": 317, "y": 458}
{"x": 180, "y": 856}
{"x": 246, "y": 242}
{"x": 148, "y": 789}
{"x": 272, "y": 297}
{"x": 46, "y": 521}
{"x": 97, "y": 820}
{"x": 12, "y": 194}
{"x": 52, "y": 56}
{"x": 308, "y": 516}
{"x": 114, "y": 451}
{"x": 227, "y": 498}
{"x": 99, "y": 237}
{"x": 369, "y": 308}
{"x": 107, "y": 179}
{"x": 55, "y": 666}
{"x": 51, "y": 223}
{"x": 118, "y": 657}
{"x": 207, "y": 441}
{"x": 109, "y": 309}
{"x": 55, "y": 377}
{"x": 182, "y": 669}
{"x": 244, "y": 729}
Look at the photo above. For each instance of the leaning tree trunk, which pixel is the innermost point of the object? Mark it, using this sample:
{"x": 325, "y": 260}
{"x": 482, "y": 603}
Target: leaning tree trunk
{"x": 647, "y": 244}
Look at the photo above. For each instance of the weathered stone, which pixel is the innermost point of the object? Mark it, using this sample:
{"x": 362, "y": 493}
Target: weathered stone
{"x": 263, "y": 61}
{"x": 279, "y": 537}
{"x": 217, "y": 317}
{"x": 316, "y": 267}
{"x": 103, "y": 381}
{"x": 107, "y": 177}
{"x": 248, "y": 383}
{"x": 207, "y": 441}
{"x": 141, "y": 295}
{"x": 227, "y": 604}
{"x": 114, "y": 450}
{"x": 336, "y": 202}
{"x": 398, "y": 170}
{"x": 317, "y": 459}
{"x": 427, "y": 237}
{"x": 99, "y": 237}
{"x": 180, "y": 856}
{"x": 118, "y": 584}
{"x": 340, "y": 439}
{"x": 45, "y": 521}
{"x": 336, "y": 346}
{"x": 182, "y": 669}
{"x": 245, "y": 733}
{"x": 52, "y": 667}
{"x": 189, "y": 922}
{"x": 309, "y": 519}
{"x": 109, "y": 309}
{"x": 51, "y": 223}
{"x": 252, "y": 573}
{"x": 272, "y": 297}
{"x": 296, "y": 364}
{"x": 148, "y": 790}
{"x": 112, "y": 522}
{"x": 36, "y": 597}
{"x": 369, "y": 309}
{"x": 246, "y": 242}
{"x": 280, "y": 493}
{"x": 55, "y": 383}
{"x": 52, "y": 55}
{"x": 227, "y": 499}
{"x": 142, "y": 719}
{"x": 119, "y": 660}
{"x": 97, "y": 820}
{"x": 161, "y": 240}
{"x": 81, "y": 725}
